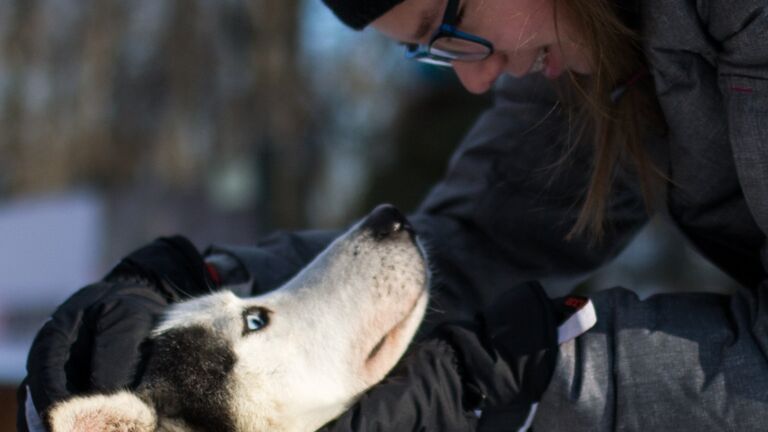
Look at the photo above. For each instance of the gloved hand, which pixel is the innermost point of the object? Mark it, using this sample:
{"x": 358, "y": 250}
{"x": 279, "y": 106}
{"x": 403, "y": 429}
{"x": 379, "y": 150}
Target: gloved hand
{"x": 504, "y": 357}
{"x": 93, "y": 341}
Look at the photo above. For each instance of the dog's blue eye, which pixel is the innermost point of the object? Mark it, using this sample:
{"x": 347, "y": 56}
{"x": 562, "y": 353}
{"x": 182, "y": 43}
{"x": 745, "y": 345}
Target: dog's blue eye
{"x": 254, "y": 319}
{"x": 255, "y": 322}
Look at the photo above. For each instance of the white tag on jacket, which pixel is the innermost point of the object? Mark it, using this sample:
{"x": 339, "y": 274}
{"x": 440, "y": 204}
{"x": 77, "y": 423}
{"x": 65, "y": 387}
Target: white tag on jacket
{"x": 582, "y": 319}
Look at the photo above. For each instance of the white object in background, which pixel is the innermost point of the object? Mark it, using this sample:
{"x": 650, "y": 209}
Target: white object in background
{"x": 49, "y": 247}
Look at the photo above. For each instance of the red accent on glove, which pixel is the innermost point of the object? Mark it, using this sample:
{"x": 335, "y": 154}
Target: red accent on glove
{"x": 214, "y": 274}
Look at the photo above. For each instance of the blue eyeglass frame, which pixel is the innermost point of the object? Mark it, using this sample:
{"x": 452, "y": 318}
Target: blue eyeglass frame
{"x": 424, "y": 52}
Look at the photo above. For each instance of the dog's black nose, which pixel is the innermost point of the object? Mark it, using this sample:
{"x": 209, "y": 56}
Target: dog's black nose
{"x": 386, "y": 220}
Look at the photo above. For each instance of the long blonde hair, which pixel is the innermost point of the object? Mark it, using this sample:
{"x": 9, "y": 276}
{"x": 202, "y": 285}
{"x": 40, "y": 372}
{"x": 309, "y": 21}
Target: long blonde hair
{"x": 619, "y": 125}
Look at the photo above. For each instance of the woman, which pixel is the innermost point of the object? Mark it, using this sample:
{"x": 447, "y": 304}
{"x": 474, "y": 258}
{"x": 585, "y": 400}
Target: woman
{"x": 672, "y": 100}
{"x": 613, "y": 110}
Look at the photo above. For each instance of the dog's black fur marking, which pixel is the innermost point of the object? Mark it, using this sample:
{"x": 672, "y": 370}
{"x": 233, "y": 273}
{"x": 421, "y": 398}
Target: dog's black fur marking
{"x": 187, "y": 378}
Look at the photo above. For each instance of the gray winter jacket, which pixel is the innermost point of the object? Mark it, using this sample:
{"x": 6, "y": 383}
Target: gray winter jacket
{"x": 500, "y": 215}
{"x": 690, "y": 362}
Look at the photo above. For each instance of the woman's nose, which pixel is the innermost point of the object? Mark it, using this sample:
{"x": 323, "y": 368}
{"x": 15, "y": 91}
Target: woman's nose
{"x": 478, "y": 76}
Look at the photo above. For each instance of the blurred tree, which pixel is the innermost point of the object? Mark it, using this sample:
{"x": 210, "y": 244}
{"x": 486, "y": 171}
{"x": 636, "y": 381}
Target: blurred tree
{"x": 161, "y": 95}
{"x": 285, "y": 150}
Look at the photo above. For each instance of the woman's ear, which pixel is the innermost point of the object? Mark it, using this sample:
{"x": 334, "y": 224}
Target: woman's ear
{"x": 122, "y": 411}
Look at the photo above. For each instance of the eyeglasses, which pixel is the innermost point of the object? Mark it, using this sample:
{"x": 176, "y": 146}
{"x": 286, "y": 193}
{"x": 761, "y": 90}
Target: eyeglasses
{"x": 448, "y": 43}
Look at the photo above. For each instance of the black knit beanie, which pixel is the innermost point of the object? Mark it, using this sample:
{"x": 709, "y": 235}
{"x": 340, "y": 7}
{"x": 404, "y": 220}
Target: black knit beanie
{"x": 359, "y": 13}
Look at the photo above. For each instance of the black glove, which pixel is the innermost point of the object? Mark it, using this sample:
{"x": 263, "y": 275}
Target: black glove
{"x": 93, "y": 341}
{"x": 504, "y": 357}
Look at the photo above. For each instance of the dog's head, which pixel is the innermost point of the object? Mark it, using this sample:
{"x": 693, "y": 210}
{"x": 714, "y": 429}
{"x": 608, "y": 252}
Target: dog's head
{"x": 292, "y": 359}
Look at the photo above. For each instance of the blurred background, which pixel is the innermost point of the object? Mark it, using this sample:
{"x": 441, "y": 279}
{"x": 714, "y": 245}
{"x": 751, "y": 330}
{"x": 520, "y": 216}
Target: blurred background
{"x": 223, "y": 120}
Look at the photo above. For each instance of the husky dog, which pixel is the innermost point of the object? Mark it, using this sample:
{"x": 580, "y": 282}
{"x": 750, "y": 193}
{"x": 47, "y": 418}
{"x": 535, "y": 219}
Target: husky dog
{"x": 289, "y": 360}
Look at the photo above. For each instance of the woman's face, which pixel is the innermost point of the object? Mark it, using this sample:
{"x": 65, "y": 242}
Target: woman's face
{"x": 523, "y": 34}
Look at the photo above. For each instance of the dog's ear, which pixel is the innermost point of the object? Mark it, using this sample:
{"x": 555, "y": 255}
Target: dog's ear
{"x": 121, "y": 411}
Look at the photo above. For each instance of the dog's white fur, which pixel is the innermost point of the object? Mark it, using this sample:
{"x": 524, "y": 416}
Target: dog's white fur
{"x": 334, "y": 330}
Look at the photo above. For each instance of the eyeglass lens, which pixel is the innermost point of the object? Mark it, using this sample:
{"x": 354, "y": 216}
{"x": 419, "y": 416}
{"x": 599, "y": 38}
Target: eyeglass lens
{"x": 459, "y": 49}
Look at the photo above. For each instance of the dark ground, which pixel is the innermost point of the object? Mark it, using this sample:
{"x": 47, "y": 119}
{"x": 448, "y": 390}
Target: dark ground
{"x": 7, "y": 408}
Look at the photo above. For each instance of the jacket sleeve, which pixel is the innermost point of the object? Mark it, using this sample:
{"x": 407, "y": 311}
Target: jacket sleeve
{"x": 255, "y": 269}
{"x": 500, "y": 215}
{"x": 510, "y": 197}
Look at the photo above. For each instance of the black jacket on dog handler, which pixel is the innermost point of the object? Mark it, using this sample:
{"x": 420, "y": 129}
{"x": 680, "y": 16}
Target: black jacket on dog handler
{"x": 499, "y": 217}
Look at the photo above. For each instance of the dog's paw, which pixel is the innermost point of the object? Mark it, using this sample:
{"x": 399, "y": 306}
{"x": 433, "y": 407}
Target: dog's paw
{"x": 119, "y": 412}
